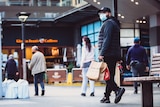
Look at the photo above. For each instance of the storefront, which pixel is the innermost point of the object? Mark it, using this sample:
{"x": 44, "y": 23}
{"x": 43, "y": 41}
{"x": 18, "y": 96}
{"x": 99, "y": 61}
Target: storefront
{"x": 55, "y": 42}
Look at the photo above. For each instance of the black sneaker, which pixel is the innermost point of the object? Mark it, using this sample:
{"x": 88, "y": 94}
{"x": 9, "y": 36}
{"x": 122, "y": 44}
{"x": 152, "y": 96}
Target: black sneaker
{"x": 35, "y": 94}
{"x": 92, "y": 94}
{"x": 135, "y": 92}
{"x": 43, "y": 91}
{"x": 119, "y": 94}
{"x": 105, "y": 100}
{"x": 83, "y": 94}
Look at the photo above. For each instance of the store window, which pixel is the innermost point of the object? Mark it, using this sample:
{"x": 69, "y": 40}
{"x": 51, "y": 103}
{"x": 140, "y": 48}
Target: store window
{"x": 92, "y": 31}
{"x": 84, "y": 30}
{"x": 127, "y": 36}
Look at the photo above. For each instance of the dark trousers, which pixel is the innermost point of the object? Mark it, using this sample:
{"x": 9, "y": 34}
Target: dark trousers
{"x": 110, "y": 84}
{"x": 138, "y": 70}
{"x": 38, "y": 78}
{"x": 11, "y": 76}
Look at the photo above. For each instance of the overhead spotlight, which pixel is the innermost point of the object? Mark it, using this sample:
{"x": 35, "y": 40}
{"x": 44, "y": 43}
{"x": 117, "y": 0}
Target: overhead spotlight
{"x": 94, "y": 0}
{"x": 137, "y": 3}
{"x": 122, "y": 17}
{"x": 132, "y": 0}
{"x": 144, "y": 18}
{"x": 140, "y": 21}
{"x": 144, "y": 21}
{"x": 119, "y": 15}
{"x": 137, "y": 21}
{"x": 99, "y": 3}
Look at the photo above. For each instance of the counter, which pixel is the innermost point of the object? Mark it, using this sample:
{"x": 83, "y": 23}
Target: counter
{"x": 77, "y": 74}
{"x": 56, "y": 75}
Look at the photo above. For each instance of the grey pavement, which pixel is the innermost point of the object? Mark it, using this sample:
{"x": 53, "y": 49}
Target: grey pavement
{"x": 69, "y": 96}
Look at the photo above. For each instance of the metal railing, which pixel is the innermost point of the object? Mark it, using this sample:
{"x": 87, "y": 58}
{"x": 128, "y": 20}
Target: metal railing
{"x": 40, "y": 2}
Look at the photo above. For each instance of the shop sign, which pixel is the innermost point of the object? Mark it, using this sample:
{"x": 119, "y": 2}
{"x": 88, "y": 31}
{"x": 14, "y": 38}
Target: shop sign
{"x": 37, "y": 41}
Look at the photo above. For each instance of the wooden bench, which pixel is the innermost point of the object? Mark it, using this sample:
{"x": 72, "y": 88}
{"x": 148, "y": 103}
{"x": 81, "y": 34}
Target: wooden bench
{"x": 147, "y": 81}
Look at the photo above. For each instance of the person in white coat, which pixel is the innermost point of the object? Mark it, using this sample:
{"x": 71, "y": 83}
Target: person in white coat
{"x": 87, "y": 57}
{"x": 38, "y": 68}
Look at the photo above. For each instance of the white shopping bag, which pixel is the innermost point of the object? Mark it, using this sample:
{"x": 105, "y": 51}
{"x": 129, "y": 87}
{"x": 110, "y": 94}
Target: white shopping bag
{"x": 23, "y": 88}
{"x": 11, "y": 89}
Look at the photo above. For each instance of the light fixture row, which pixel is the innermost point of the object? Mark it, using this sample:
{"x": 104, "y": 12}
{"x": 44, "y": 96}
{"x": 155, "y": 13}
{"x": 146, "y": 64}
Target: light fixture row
{"x": 97, "y": 2}
{"x": 141, "y": 21}
{"x": 119, "y": 15}
{"x": 135, "y": 2}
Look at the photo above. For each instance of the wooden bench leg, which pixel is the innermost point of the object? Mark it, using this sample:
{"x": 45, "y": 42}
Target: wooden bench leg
{"x": 147, "y": 94}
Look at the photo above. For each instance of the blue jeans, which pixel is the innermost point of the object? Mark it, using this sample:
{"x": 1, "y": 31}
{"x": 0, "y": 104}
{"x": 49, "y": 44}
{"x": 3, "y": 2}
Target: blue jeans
{"x": 85, "y": 82}
{"x": 38, "y": 78}
{"x": 138, "y": 70}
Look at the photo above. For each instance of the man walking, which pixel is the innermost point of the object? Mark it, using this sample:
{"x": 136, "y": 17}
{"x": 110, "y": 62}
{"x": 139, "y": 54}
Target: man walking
{"x": 38, "y": 68}
{"x": 11, "y": 68}
{"x": 137, "y": 61}
{"x": 109, "y": 51}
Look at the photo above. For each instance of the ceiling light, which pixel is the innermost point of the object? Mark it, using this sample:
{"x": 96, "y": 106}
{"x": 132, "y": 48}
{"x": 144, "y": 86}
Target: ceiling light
{"x": 137, "y": 3}
{"x": 122, "y": 17}
{"x": 144, "y": 17}
{"x": 98, "y": 3}
{"x": 119, "y": 15}
{"x": 132, "y": 0}
{"x": 137, "y": 21}
{"x": 144, "y": 21}
{"x": 94, "y": 0}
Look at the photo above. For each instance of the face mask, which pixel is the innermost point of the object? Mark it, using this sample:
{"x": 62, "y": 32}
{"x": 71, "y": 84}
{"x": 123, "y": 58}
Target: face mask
{"x": 102, "y": 17}
{"x": 83, "y": 44}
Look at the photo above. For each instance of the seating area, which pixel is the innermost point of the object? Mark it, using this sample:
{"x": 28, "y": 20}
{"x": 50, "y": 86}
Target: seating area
{"x": 147, "y": 81}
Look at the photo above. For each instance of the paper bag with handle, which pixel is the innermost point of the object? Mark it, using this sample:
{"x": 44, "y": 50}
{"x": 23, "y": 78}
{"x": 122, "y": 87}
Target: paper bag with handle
{"x": 95, "y": 69}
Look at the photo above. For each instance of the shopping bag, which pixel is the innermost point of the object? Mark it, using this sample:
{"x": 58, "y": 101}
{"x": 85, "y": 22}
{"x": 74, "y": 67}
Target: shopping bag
{"x": 95, "y": 69}
{"x": 101, "y": 76}
{"x": 106, "y": 74}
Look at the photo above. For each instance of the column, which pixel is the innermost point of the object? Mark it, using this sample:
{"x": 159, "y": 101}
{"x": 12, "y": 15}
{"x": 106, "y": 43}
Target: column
{"x": 0, "y": 56}
{"x": 154, "y": 34}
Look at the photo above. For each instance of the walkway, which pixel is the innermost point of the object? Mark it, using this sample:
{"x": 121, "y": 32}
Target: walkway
{"x": 69, "y": 96}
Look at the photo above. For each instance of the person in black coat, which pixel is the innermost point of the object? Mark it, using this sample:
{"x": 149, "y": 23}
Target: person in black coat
{"x": 109, "y": 51}
{"x": 11, "y": 68}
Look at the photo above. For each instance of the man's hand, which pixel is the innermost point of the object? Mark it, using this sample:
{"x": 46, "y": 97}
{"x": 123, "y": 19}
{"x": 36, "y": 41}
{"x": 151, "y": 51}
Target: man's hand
{"x": 100, "y": 57}
{"x": 128, "y": 67}
{"x": 147, "y": 69}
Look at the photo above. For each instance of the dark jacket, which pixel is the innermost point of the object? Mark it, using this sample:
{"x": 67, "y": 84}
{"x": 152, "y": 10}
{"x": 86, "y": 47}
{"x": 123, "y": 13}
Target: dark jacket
{"x": 136, "y": 53}
{"x": 109, "y": 38}
{"x": 11, "y": 67}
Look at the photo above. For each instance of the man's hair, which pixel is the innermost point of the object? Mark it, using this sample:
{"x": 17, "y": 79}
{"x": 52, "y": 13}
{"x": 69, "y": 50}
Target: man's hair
{"x": 35, "y": 48}
{"x": 88, "y": 43}
{"x": 10, "y": 56}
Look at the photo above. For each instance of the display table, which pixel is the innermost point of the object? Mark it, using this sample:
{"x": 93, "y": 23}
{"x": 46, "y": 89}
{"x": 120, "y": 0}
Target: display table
{"x": 56, "y": 75}
{"x": 77, "y": 74}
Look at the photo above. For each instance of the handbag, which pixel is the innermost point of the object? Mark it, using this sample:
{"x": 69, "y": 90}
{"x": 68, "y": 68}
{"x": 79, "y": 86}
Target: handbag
{"x": 95, "y": 69}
